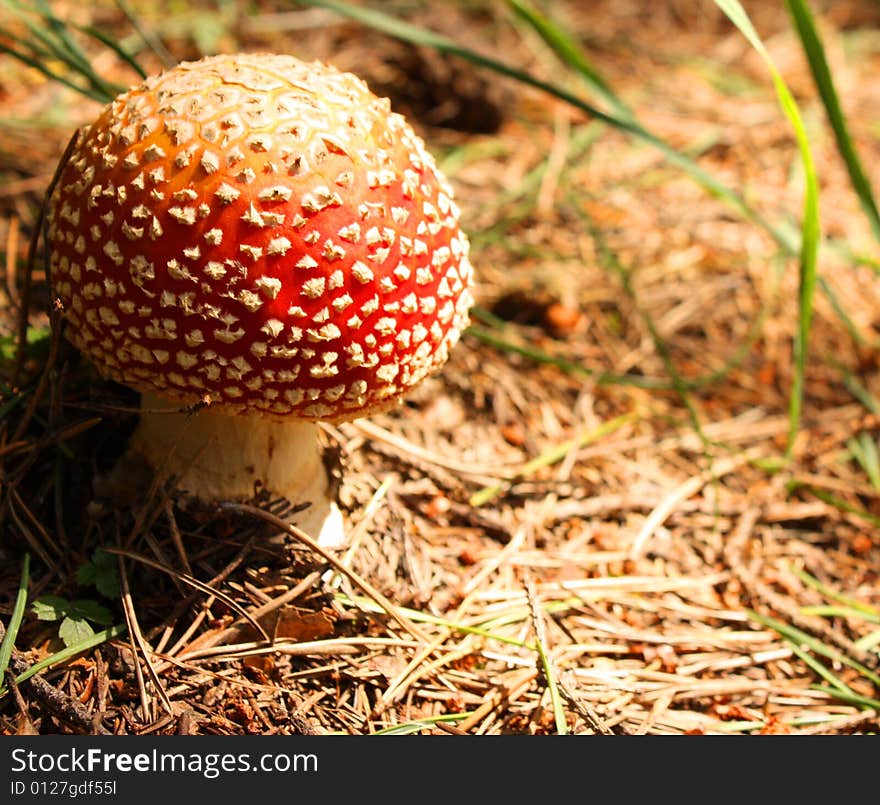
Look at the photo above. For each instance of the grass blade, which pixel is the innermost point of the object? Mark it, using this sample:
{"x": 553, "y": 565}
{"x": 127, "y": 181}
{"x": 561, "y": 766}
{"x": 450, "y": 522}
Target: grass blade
{"x": 15, "y": 619}
{"x": 810, "y": 231}
{"x": 808, "y": 246}
{"x": 836, "y": 684}
{"x": 833, "y": 611}
{"x": 859, "y": 392}
{"x": 815, "y": 53}
{"x": 841, "y": 504}
{"x": 410, "y": 727}
{"x": 50, "y": 41}
{"x": 844, "y": 608}
{"x": 800, "y": 641}
{"x": 864, "y": 450}
{"x": 568, "y": 51}
{"x": 71, "y": 651}
{"x": 850, "y": 697}
{"x": 554, "y": 455}
{"x": 113, "y": 45}
{"x": 36, "y": 64}
{"x": 864, "y": 610}
{"x": 152, "y": 41}
{"x": 544, "y": 661}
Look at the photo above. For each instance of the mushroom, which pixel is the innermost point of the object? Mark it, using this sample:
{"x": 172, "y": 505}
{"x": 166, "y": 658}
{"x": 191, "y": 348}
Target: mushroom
{"x": 264, "y": 236}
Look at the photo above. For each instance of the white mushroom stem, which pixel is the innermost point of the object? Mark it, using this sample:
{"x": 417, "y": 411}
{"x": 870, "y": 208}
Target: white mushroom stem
{"x": 217, "y": 457}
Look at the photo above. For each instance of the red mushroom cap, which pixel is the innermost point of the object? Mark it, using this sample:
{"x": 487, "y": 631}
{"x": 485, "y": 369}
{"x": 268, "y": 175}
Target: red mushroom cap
{"x": 261, "y": 232}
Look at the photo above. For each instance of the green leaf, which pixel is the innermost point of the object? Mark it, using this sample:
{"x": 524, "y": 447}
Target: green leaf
{"x": 37, "y": 343}
{"x": 90, "y": 610}
{"x": 101, "y": 572}
{"x": 50, "y": 607}
{"x": 409, "y": 727}
{"x": 74, "y": 630}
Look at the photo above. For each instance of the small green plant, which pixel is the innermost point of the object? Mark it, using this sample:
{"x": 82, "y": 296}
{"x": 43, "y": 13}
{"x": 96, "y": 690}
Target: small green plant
{"x": 76, "y": 617}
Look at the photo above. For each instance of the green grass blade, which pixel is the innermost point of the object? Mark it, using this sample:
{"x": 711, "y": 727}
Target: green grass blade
{"x": 46, "y": 46}
{"x": 49, "y": 41}
{"x": 806, "y": 247}
{"x": 554, "y": 455}
{"x": 568, "y": 51}
{"x": 410, "y": 727}
{"x": 532, "y": 353}
{"x": 36, "y": 64}
{"x": 850, "y": 697}
{"x": 113, "y": 45}
{"x": 800, "y": 641}
{"x": 71, "y": 651}
{"x": 833, "y": 680}
{"x": 55, "y": 34}
{"x": 865, "y": 610}
{"x": 864, "y": 450}
{"x": 810, "y": 230}
{"x": 836, "y": 611}
{"x": 859, "y": 392}
{"x": 612, "y": 262}
{"x": 837, "y": 305}
{"x": 553, "y": 690}
{"x": 15, "y": 619}
{"x": 151, "y": 40}
{"x": 869, "y": 642}
{"x": 815, "y": 53}
{"x": 843, "y": 505}
{"x": 498, "y": 341}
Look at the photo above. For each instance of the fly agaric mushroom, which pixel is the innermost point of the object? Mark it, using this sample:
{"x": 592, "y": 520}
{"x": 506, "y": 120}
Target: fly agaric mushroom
{"x": 266, "y": 236}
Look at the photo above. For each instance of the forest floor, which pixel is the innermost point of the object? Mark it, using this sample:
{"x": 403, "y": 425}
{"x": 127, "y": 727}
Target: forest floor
{"x": 587, "y": 522}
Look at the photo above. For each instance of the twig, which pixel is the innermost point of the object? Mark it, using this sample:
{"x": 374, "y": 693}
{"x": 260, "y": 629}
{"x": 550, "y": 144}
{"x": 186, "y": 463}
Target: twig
{"x": 417, "y": 669}
{"x": 60, "y": 704}
{"x": 683, "y": 492}
{"x": 503, "y": 694}
{"x": 192, "y": 581}
{"x": 408, "y": 448}
{"x": 585, "y": 710}
{"x": 782, "y": 604}
{"x": 448, "y": 728}
{"x": 221, "y": 636}
{"x": 837, "y": 724}
{"x": 360, "y": 583}
{"x": 138, "y": 644}
{"x": 12, "y": 257}
{"x": 175, "y": 536}
{"x": 21, "y": 704}
{"x": 547, "y": 673}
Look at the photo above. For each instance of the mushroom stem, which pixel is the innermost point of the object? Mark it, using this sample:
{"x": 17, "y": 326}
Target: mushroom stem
{"x": 217, "y": 456}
